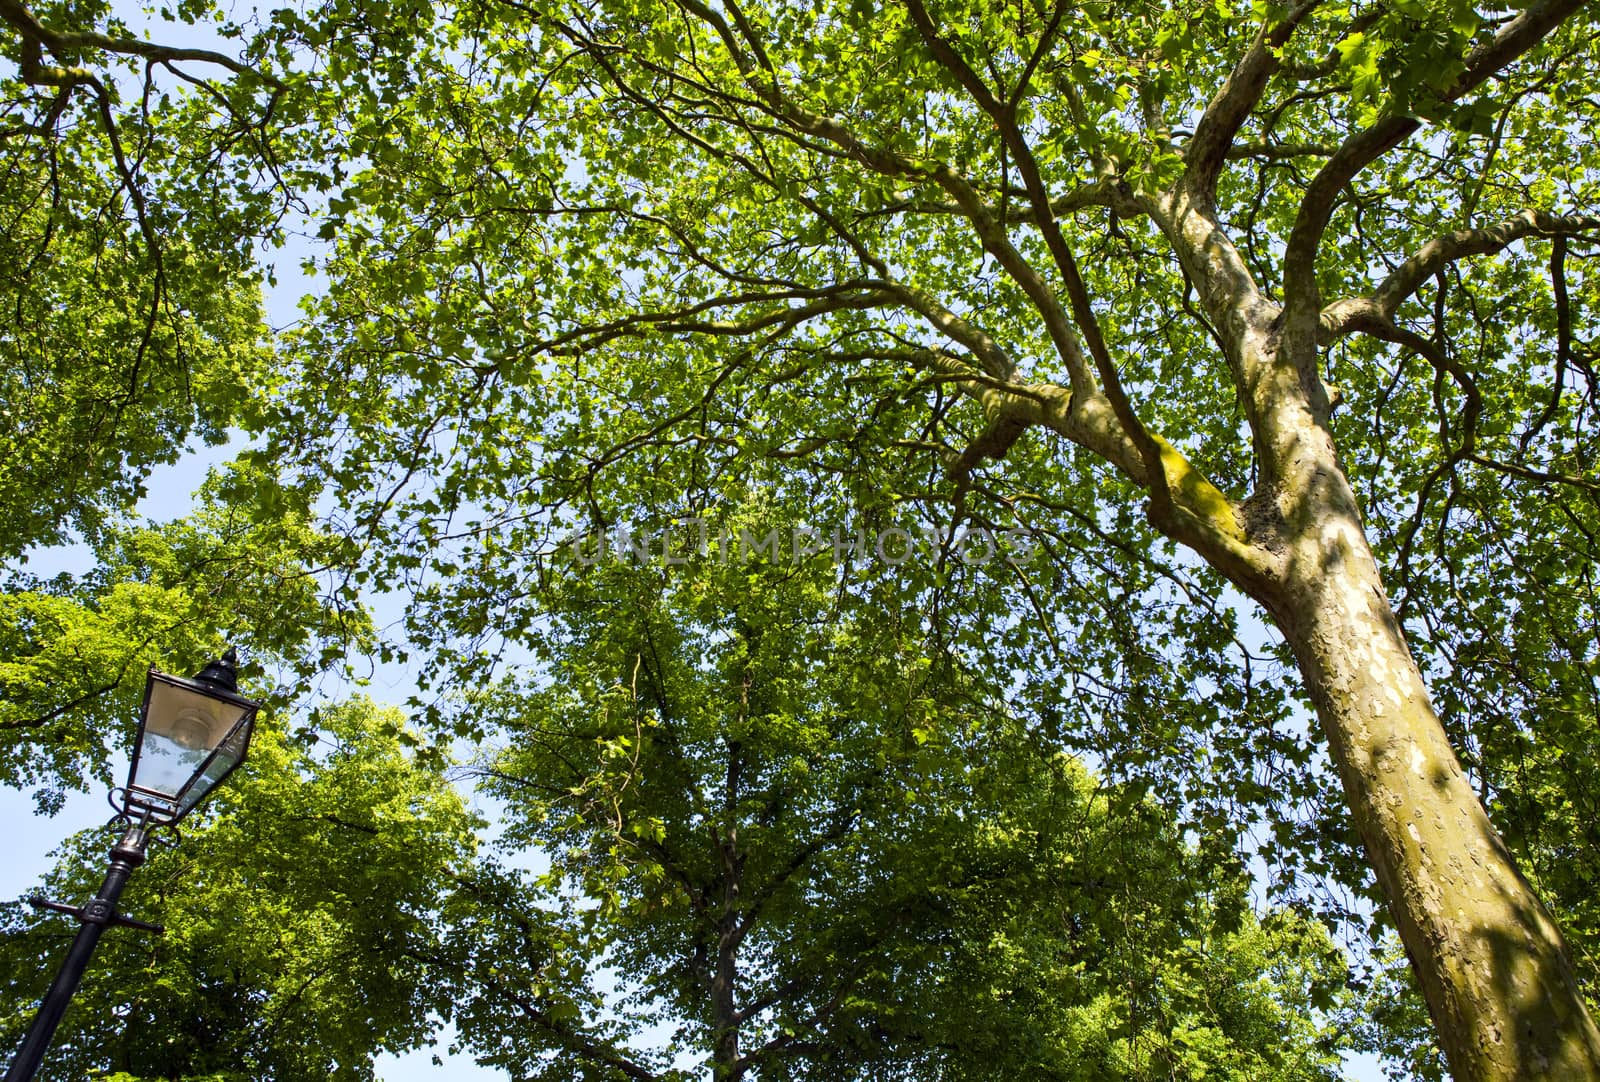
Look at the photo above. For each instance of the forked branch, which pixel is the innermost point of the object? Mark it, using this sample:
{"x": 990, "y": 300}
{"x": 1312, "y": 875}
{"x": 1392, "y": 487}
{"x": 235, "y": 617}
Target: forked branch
{"x": 1514, "y": 39}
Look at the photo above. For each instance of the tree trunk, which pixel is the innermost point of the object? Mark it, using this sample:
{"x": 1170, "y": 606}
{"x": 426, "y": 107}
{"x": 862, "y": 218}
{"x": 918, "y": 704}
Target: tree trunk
{"x": 724, "y": 1017}
{"x": 1489, "y": 959}
{"x": 725, "y": 1065}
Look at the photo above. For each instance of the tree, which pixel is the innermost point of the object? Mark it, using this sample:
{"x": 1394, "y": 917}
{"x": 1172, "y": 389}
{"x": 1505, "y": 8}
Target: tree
{"x": 1211, "y": 264}
{"x": 75, "y": 648}
{"x": 132, "y": 322}
{"x": 781, "y": 826}
{"x": 297, "y": 912}
{"x": 893, "y": 839}
{"x": 1305, "y": 284}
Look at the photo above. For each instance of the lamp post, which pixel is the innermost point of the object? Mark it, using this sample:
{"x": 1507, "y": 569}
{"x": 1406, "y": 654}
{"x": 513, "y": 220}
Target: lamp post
{"x": 192, "y": 734}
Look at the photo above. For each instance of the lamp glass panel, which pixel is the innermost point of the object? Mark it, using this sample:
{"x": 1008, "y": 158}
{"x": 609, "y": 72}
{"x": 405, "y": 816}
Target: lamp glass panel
{"x": 181, "y": 728}
{"x": 226, "y": 758}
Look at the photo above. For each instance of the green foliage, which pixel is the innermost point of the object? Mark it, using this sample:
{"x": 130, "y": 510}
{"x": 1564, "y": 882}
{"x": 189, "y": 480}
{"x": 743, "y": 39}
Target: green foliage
{"x": 298, "y": 910}
{"x": 768, "y": 810}
{"x": 549, "y": 262}
{"x": 74, "y": 651}
{"x": 634, "y": 262}
{"x": 94, "y": 392}
{"x": 132, "y": 318}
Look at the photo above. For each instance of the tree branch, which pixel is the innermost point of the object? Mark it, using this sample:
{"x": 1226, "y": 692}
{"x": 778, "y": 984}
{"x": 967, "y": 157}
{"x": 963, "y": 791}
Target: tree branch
{"x": 1363, "y": 313}
{"x": 60, "y": 42}
{"x": 1366, "y": 146}
{"x": 1226, "y": 113}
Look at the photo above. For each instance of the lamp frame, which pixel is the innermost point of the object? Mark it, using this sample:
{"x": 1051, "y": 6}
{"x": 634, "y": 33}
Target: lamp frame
{"x": 157, "y": 808}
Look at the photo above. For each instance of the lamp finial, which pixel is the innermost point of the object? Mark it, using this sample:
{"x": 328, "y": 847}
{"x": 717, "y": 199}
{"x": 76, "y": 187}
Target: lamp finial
{"x": 223, "y": 672}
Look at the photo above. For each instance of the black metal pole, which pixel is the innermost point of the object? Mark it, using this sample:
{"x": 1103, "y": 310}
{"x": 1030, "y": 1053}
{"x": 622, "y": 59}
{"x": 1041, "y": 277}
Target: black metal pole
{"x": 126, "y": 855}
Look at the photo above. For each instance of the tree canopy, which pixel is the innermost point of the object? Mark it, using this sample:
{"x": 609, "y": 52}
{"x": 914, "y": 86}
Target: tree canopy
{"x": 1252, "y": 305}
{"x": 74, "y": 649}
{"x": 820, "y": 853}
{"x": 775, "y": 828}
{"x": 132, "y": 314}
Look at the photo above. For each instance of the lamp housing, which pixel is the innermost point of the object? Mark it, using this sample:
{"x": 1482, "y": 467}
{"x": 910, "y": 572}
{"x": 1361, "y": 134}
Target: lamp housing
{"x": 193, "y": 733}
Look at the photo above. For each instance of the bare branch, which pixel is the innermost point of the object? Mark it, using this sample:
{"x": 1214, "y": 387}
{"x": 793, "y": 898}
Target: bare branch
{"x": 59, "y": 42}
{"x": 993, "y": 234}
{"x": 1105, "y": 192}
{"x": 1366, "y": 313}
{"x": 1274, "y": 152}
{"x": 851, "y": 294}
{"x": 1226, "y": 112}
{"x": 1526, "y": 473}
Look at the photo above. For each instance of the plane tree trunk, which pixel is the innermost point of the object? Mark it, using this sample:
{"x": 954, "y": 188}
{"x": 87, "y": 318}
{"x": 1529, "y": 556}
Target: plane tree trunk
{"x": 1490, "y": 960}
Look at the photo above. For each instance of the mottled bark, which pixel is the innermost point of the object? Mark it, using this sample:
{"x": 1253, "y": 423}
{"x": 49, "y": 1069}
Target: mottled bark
{"x": 1491, "y": 962}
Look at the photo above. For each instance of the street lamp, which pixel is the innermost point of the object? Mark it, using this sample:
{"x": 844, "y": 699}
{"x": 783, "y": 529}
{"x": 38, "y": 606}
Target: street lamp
{"x": 192, "y": 734}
